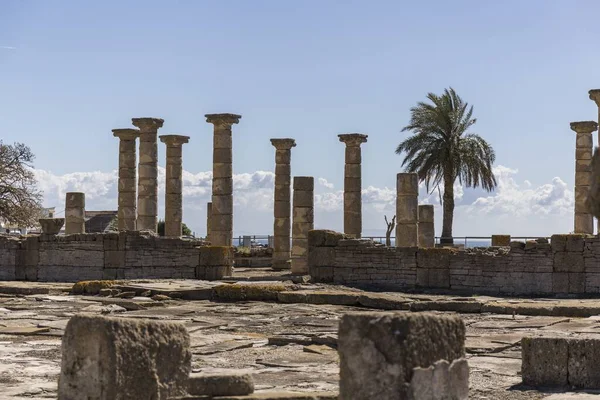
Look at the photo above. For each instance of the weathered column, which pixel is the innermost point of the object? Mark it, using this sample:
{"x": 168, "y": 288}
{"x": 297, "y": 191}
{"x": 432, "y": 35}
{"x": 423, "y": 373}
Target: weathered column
{"x": 281, "y": 226}
{"x": 222, "y": 183}
{"x": 407, "y": 202}
{"x": 303, "y": 222}
{"x": 208, "y": 220}
{"x": 174, "y": 184}
{"x": 127, "y": 178}
{"x": 74, "y": 213}
{"x": 426, "y": 226}
{"x": 584, "y": 222}
{"x": 595, "y": 96}
{"x": 147, "y": 204}
{"x": 353, "y": 183}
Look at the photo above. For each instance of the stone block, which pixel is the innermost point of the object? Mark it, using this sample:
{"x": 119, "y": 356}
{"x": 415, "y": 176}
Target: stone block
{"x": 352, "y": 184}
{"x": 222, "y": 170}
{"x": 303, "y": 199}
{"x": 576, "y": 283}
{"x": 441, "y": 381}
{"x": 222, "y": 156}
{"x": 500, "y": 240}
{"x": 352, "y": 171}
{"x": 407, "y": 209}
{"x": 304, "y": 183}
{"x": 230, "y": 384}
{"x": 407, "y": 184}
{"x": 222, "y": 186}
{"x": 324, "y": 238}
{"x": 582, "y": 365}
{"x": 116, "y": 358}
{"x": 569, "y": 262}
{"x": 215, "y": 256}
{"x": 304, "y": 214}
{"x": 379, "y": 351}
{"x": 407, "y": 235}
{"x": 282, "y": 209}
{"x": 544, "y": 361}
{"x": 213, "y": 273}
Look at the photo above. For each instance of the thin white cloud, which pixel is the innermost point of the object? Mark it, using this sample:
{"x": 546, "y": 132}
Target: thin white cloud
{"x": 8, "y": 47}
{"x": 325, "y": 183}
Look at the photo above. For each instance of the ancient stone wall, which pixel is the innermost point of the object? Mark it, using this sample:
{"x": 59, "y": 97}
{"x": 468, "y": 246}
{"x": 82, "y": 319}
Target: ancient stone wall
{"x": 125, "y": 255}
{"x": 570, "y": 264}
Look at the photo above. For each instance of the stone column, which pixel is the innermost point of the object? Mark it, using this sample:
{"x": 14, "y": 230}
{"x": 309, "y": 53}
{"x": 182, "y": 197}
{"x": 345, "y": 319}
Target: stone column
{"x": 147, "y": 204}
{"x": 174, "y": 184}
{"x": 222, "y": 183}
{"x": 304, "y": 211}
{"x": 208, "y": 220}
{"x": 74, "y": 213}
{"x": 281, "y": 226}
{"x": 127, "y": 177}
{"x": 584, "y": 222}
{"x": 407, "y": 202}
{"x": 353, "y": 184}
{"x": 595, "y": 96}
{"x": 426, "y": 226}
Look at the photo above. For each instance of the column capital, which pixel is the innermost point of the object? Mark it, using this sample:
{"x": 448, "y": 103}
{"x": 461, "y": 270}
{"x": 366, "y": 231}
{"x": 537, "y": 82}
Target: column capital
{"x": 148, "y": 124}
{"x": 126, "y": 133}
{"x": 174, "y": 140}
{"x": 223, "y": 119}
{"x": 584, "y": 126}
{"x": 595, "y": 95}
{"x": 283, "y": 144}
{"x": 353, "y": 139}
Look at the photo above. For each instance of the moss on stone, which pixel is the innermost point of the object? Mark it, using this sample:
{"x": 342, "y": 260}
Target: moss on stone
{"x": 254, "y": 292}
{"x": 91, "y": 287}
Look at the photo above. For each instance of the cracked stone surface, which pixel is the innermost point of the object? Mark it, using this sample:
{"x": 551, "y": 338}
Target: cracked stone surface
{"x": 286, "y": 347}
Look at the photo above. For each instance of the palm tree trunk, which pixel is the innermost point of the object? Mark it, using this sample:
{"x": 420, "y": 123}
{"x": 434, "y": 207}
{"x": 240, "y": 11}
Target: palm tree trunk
{"x": 448, "y": 208}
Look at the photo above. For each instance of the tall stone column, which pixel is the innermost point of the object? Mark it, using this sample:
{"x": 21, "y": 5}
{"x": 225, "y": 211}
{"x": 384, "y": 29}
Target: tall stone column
{"x": 426, "y": 226}
{"x": 584, "y": 222}
{"x": 208, "y": 220}
{"x": 147, "y": 218}
{"x": 281, "y": 226}
{"x": 595, "y": 96}
{"x": 303, "y": 222}
{"x": 222, "y": 183}
{"x": 174, "y": 184}
{"x": 407, "y": 204}
{"x": 127, "y": 213}
{"x": 353, "y": 183}
{"x": 74, "y": 213}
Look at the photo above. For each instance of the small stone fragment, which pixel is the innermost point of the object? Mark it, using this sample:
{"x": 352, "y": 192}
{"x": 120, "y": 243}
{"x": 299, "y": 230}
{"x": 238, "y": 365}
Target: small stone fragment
{"x": 231, "y": 384}
{"x": 160, "y": 297}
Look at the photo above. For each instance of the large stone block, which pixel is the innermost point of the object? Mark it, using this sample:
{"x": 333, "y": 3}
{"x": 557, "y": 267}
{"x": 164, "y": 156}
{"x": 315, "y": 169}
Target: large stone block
{"x": 379, "y": 351}
{"x": 544, "y": 361}
{"x": 116, "y": 358}
{"x": 324, "y": 238}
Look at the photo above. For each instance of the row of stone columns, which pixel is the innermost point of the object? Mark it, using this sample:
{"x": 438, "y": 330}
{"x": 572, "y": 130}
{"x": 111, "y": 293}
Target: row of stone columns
{"x": 143, "y": 213}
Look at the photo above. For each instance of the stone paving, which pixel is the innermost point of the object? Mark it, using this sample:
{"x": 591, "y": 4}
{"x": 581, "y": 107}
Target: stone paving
{"x": 288, "y": 347}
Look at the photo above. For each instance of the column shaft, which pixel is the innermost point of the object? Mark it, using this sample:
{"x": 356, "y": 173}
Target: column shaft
{"x": 74, "y": 213}
{"x": 426, "y": 229}
{"x": 127, "y": 207}
{"x": 174, "y": 184}
{"x": 148, "y": 173}
{"x": 282, "y": 207}
{"x": 303, "y": 222}
{"x": 353, "y": 183}
{"x": 595, "y": 96}
{"x": 221, "y": 232}
{"x": 583, "y": 221}
{"x": 407, "y": 202}
{"x": 208, "y": 220}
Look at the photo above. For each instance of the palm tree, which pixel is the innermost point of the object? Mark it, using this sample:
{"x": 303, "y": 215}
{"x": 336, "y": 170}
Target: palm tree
{"x": 441, "y": 150}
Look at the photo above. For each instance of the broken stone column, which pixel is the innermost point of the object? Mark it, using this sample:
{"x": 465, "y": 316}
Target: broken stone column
{"x": 208, "y": 220}
{"x": 127, "y": 213}
{"x": 402, "y": 356}
{"x": 281, "y": 225}
{"x": 174, "y": 184}
{"x": 407, "y": 204}
{"x": 147, "y": 205}
{"x": 353, "y": 184}
{"x": 74, "y": 213}
{"x": 426, "y": 226}
{"x": 108, "y": 358}
{"x": 584, "y": 222}
{"x": 303, "y": 222}
{"x": 222, "y": 183}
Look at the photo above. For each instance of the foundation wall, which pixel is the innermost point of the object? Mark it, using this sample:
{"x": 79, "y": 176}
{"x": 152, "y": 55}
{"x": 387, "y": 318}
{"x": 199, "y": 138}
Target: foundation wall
{"x": 125, "y": 255}
{"x": 570, "y": 264}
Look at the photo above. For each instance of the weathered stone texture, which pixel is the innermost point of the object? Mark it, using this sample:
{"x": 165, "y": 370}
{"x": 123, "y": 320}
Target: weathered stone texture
{"x": 174, "y": 184}
{"x": 303, "y": 222}
{"x": 127, "y": 204}
{"x": 426, "y": 228}
{"x": 281, "y": 211}
{"x": 583, "y": 218}
{"x": 353, "y": 183}
{"x": 116, "y": 358}
{"x": 407, "y": 214}
{"x": 231, "y": 384}
{"x": 74, "y": 213}
{"x": 380, "y": 351}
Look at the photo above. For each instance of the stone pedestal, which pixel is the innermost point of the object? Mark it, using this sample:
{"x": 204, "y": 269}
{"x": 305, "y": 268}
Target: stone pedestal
{"x": 174, "y": 184}
{"x": 281, "y": 225}
{"x": 407, "y": 202}
{"x": 353, "y": 183}
{"x": 426, "y": 226}
{"x": 303, "y": 222}
{"x": 127, "y": 178}
{"x": 208, "y": 220}
{"x": 74, "y": 213}
{"x": 147, "y": 204}
{"x": 222, "y": 183}
{"x": 584, "y": 222}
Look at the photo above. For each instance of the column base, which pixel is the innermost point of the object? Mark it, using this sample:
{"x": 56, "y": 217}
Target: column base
{"x": 281, "y": 265}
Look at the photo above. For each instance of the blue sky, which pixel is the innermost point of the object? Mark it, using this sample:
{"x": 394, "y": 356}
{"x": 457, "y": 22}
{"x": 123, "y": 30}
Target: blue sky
{"x": 70, "y": 71}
